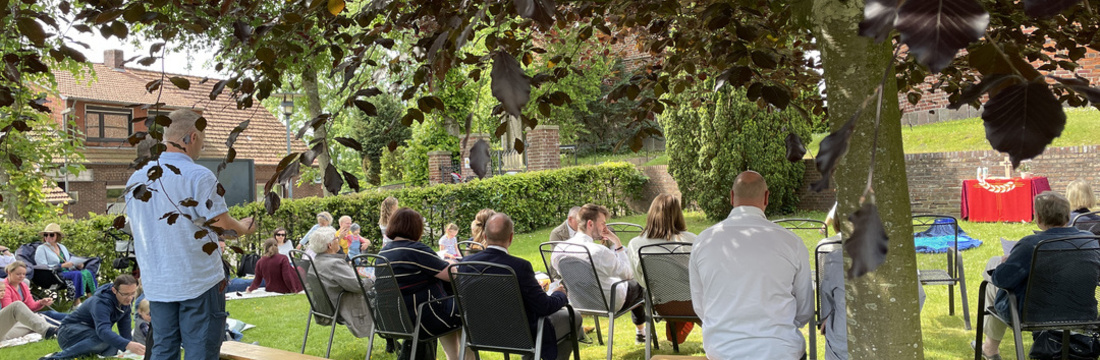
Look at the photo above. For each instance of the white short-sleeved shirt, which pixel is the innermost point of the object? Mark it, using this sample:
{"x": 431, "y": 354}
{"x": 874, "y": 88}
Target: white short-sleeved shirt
{"x": 611, "y": 266}
{"x": 751, "y": 286}
{"x": 173, "y": 265}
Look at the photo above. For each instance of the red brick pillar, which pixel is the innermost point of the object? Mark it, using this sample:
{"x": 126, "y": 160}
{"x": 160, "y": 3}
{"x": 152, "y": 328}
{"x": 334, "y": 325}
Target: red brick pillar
{"x": 435, "y": 160}
{"x": 467, "y": 172}
{"x": 542, "y": 148}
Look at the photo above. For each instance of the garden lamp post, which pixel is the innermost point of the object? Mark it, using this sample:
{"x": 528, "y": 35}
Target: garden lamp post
{"x": 287, "y": 106}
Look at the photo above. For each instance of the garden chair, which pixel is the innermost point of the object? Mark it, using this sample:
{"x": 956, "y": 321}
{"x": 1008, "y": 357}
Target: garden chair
{"x": 320, "y": 305}
{"x": 625, "y": 231}
{"x": 387, "y": 305}
{"x": 493, "y": 314}
{"x": 813, "y": 228}
{"x": 1085, "y": 222}
{"x": 1058, "y": 297}
{"x": 952, "y": 273}
{"x": 665, "y": 269}
{"x": 469, "y": 247}
{"x": 41, "y": 276}
{"x": 586, "y": 293}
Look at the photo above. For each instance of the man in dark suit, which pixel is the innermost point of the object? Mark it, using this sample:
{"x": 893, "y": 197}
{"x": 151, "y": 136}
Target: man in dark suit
{"x": 567, "y": 229}
{"x": 498, "y": 234}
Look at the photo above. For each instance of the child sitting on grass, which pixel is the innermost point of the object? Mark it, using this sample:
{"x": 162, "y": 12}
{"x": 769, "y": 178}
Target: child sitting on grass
{"x": 143, "y": 326}
{"x": 448, "y": 244}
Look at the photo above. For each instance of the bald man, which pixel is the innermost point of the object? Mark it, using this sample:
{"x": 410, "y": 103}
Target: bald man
{"x": 750, "y": 281}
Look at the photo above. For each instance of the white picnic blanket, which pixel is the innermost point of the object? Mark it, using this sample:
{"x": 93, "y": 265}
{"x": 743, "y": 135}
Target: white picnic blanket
{"x": 258, "y": 293}
{"x": 25, "y": 339}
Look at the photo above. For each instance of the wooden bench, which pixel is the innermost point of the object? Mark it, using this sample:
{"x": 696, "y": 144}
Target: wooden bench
{"x": 677, "y": 357}
{"x": 233, "y": 350}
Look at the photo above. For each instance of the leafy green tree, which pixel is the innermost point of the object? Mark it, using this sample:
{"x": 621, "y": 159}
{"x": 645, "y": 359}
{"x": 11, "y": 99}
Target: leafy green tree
{"x": 376, "y": 134}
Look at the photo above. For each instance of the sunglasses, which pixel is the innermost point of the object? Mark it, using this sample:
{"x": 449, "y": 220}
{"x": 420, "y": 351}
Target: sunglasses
{"x": 49, "y": 235}
{"x": 280, "y": 234}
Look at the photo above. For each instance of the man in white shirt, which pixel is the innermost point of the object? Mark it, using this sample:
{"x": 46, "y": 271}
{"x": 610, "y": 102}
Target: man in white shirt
{"x": 750, "y": 281}
{"x": 182, "y": 282}
{"x": 611, "y": 262}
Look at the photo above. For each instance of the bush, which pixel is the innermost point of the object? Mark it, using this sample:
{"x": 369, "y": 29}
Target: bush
{"x": 710, "y": 144}
{"x": 82, "y": 237}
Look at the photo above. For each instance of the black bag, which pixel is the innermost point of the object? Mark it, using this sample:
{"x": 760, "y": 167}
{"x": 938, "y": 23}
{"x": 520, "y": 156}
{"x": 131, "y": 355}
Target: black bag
{"x": 247, "y": 265}
{"x": 1048, "y": 345}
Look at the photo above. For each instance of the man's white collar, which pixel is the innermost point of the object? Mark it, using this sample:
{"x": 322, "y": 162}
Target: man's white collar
{"x": 501, "y": 248}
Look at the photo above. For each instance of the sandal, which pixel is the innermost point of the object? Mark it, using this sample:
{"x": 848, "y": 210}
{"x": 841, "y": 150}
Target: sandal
{"x": 974, "y": 345}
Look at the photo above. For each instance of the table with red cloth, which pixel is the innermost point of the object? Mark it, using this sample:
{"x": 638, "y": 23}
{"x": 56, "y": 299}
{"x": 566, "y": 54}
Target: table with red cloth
{"x": 1008, "y": 200}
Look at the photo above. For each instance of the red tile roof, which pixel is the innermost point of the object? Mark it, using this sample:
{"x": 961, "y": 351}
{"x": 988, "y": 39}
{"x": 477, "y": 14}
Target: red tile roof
{"x": 264, "y": 141}
{"x": 54, "y": 195}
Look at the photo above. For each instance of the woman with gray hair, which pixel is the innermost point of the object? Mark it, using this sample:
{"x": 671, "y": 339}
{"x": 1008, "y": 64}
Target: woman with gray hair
{"x": 339, "y": 282}
{"x": 323, "y": 219}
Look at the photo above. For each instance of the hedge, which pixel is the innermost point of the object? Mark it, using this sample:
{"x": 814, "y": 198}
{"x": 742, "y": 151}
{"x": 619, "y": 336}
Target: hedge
{"x": 533, "y": 200}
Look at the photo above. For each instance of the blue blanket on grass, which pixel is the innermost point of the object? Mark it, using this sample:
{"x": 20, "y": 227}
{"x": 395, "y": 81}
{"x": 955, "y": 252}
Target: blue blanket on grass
{"x": 938, "y": 238}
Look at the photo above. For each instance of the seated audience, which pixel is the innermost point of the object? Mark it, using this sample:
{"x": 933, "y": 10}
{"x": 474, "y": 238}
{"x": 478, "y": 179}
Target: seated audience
{"x": 423, "y": 277}
{"x": 52, "y": 253}
{"x": 1011, "y": 272}
{"x": 448, "y": 244}
{"x": 143, "y": 324}
{"x": 568, "y": 228}
{"x": 385, "y": 211}
{"x": 664, "y": 223}
{"x": 274, "y": 272}
{"x": 338, "y": 277}
{"x": 356, "y": 243}
{"x": 612, "y": 264}
{"x": 1081, "y": 198}
{"x": 285, "y": 244}
{"x": 17, "y": 320}
{"x": 499, "y": 235}
{"x": 324, "y": 219}
{"x": 750, "y": 281}
{"x": 18, "y": 291}
{"x": 90, "y": 329}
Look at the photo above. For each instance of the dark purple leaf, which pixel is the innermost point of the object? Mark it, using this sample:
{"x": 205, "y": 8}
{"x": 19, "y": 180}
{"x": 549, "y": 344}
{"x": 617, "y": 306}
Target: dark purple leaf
{"x": 868, "y": 245}
{"x": 795, "y": 149}
{"x": 31, "y": 29}
{"x": 172, "y": 168}
{"x": 172, "y": 218}
{"x": 232, "y": 139}
{"x": 366, "y": 107}
{"x": 975, "y": 92}
{"x": 352, "y": 181}
{"x": 309, "y": 155}
{"x": 217, "y": 89}
{"x": 154, "y": 173}
{"x": 1081, "y": 86}
{"x": 6, "y": 97}
{"x": 180, "y": 82}
{"x": 878, "y": 19}
{"x": 237, "y": 249}
{"x": 777, "y": 96}
{"x": 737, "y": 76}
{"x": 479, "y": 157}
{"x": 1047, "y": 8}
{"x": 392, "y": 145}
{"x": 189, "y": 202}
{"x": 368, "y": 92}
{"x": 272, "y": 202}
{"x": 15, "y": 160}
{"x": 832, "y": 148}
{"x": 350, "y": 143}
{"x": 509, "y": 84}
{"x": 542, "y": 11}
{"x": 221, "y": 190}
{"x": 200, "y": 124}
{"x": 141, "y": 192}
{"x": 1022, "y": 120}
{"x": 333, "y": 182}
{"x": 119, "y": 222}
{"x": 209, "y": 204}
{"x": 935, "y": 30}
{"x": 20, "y": 125}
{"x": 209, "y": 247}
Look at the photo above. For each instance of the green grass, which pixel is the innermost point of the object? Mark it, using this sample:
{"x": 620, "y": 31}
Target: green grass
{"x": 660, "y": 160}
{"x": 281, "y": 320}
{"x": 1082, "y": 128}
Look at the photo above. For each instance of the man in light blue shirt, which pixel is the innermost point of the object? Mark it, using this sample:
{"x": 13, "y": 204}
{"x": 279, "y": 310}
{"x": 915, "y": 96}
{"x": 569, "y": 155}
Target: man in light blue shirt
{"x": 182, "y": 282}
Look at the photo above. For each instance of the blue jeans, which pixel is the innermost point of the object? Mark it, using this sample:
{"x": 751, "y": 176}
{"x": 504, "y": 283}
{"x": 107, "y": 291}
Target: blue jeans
{"x": 59, "y": 316}
{"x": 78, "y": 340}
{"x": 240, "y": 285}
{"x": 197, "y": 324}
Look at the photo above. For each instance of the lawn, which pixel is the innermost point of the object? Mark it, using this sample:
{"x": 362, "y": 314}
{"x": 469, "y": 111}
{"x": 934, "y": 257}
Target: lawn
{"x": 969, "y": 134}
{"x": 281, "y": 320}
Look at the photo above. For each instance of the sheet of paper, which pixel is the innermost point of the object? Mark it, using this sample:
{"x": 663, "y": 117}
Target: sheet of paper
{"x": 1007, "y": 245}
{"x": 78, "y": 260}
{"x": 553, "y": 286}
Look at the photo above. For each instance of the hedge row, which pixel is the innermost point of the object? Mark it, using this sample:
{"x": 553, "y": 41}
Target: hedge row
{"x": 533, "y": 200}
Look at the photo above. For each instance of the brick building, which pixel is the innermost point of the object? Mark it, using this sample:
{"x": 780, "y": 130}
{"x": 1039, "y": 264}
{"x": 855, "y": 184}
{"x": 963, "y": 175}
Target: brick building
{"x": 103, "y": 107}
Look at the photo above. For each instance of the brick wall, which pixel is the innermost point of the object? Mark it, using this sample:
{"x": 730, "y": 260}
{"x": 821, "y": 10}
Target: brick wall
{"x": 435, "y": 160}
{"x": 810, "y": 200}
{"x": 660, "y": 182}
{"x": 542, "y": 148}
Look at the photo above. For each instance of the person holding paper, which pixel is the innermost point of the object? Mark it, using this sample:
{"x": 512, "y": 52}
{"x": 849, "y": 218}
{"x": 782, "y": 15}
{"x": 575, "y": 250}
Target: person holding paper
{"x": 52, "y": 253}
{"x": 1010, "y": 272}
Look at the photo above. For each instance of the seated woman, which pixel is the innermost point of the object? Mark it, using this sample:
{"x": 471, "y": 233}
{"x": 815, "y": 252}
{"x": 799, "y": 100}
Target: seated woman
{"x": 338, "y": 278}
{"x": 1081, "y": 198}
{"x": 1011, "y": 272}
{"x": 17, "y": 291}
{"x": 274, "y": 269}
{"x": 664, "y": 223}
{"x": 90, "y": 329}
{"x": 285, "y": 245}
{"x": 17, "y": 320}
{"x": 422, "y": 276}
{"x": 53, "y": 253}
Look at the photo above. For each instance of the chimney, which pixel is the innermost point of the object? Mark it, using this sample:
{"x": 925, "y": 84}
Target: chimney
{"x": 113, "y": 59}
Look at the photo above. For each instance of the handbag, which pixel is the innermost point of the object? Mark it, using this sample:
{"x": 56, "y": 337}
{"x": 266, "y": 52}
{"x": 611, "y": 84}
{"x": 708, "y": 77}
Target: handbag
{"x": 1047, "y": 345}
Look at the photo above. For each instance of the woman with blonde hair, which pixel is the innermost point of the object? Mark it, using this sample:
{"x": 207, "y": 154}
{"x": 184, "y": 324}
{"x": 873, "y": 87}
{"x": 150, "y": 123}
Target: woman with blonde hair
{"x": 1081, "y": 198}
{"x": 477, "y": 227}
{"x": 385, "y": 211}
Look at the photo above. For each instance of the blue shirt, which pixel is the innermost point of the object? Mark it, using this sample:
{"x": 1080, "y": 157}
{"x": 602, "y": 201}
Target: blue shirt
{"x": 173, "y": 265}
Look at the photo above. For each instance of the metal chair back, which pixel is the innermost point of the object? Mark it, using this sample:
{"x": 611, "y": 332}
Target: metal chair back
{"x": 625, "y": 230}
{"x": 572, "y": 263}
{"x": 387, "y": 305}
{"x": 491, "y": 304}
{"x": 665, "y": 268}
{"x": 320, "y": 304}
{"x": 947, "y": 223}
{"x": 466, "y": 248}
{"x": 803, "y": 224}
{"x": 1089, "y": 221}
{"x": 1062, "y": 283}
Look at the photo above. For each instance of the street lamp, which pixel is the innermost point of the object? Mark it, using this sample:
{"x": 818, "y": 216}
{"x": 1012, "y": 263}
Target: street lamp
{"x": 287, "y": 106}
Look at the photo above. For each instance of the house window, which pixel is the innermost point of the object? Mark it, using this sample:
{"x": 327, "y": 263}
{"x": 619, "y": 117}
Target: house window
{"x": 107, "y": 123}
{"x": 116, "y": 203}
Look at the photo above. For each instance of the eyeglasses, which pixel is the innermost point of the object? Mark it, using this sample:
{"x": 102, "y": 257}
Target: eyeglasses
{"x": 49, "y": 235}
{"x": 126, "y": 295}
{"x": 280, "y": 234}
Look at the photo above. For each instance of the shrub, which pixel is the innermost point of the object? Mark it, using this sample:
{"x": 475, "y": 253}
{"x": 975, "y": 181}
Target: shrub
{"x": 82, "y": 237}
{"x": 710, "y": 144}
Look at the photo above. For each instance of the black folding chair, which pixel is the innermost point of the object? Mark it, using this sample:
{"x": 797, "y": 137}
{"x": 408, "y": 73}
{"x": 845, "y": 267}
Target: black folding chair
{"x": 586, "y": 293}
{"x": 952, "y": 273}
{"x": 815, "y": 228}
{"x": 665, "y": 269}
{"x": 625, "y": 231}
{"x": 493, "y": 314}
{"x": 387, "y": 305}
{"x": 1088, "y": 221}
{"x": 42, "y": 276}
{"x": 1061, "y": 292}
{"x": 320, "y": 305}
{"x": 469, "y": 247}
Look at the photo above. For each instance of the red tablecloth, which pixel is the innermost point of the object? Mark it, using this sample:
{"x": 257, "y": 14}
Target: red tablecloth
{"x": 1009, "y": 200}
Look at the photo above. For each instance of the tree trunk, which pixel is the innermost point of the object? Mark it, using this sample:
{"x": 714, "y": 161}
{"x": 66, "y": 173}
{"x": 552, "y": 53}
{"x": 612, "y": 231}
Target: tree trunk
{"x": 11, "y": 197}
{"x": 883, "y": 310}
{"x": 313, "y": 105}
{"x": 372, "y": 166}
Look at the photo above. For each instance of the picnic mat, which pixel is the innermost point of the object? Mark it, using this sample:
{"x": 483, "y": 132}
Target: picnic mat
{"x": 258, "y": 293}
{"x": 937, "y": 239}
{"x": 22, "y": 340}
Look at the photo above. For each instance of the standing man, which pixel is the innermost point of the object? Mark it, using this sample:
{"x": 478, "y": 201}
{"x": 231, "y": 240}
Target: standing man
{"x": 567, "y": 229}
{"x": 750, "y": 281}
{"x": 182, "y": 282}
